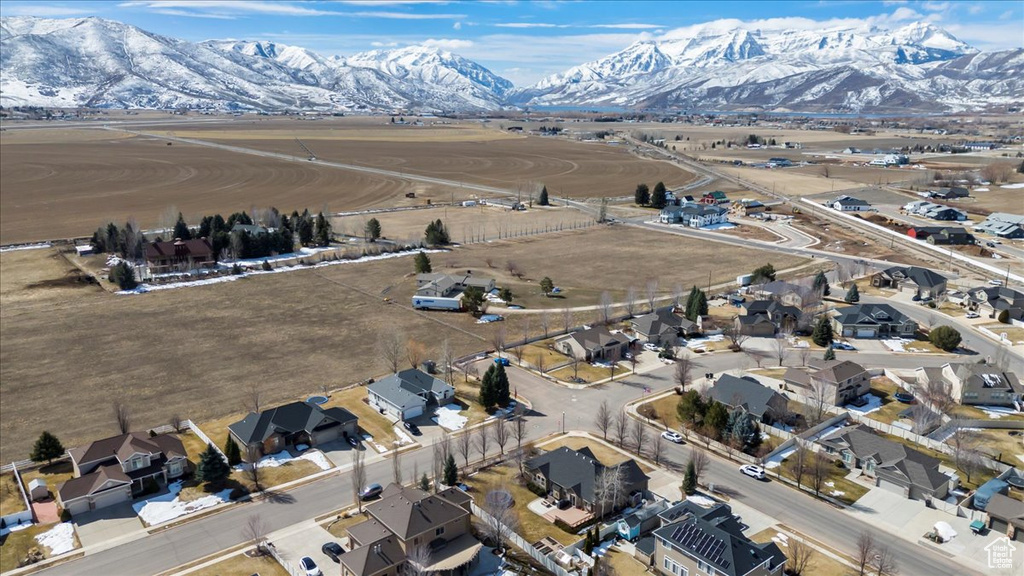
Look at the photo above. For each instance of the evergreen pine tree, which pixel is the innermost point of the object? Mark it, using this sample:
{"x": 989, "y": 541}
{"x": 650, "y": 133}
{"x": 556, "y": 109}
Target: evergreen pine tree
{"x": 322, "y": 231}
{"x": 422, "y": 263}
{"x": 852, "y": 295}
{"x": 232, "y": 451}
{"x": 821, "y": 283}
{"x": 212, "y": 468}
{"x": 502, "y": 394}
{"x": 659, "y": 197}
{"x": 822, "y": 334}
{"x": 830, "y": 354}
{"x": 425, "y": 483}
{"x": 373, "y": 230}
{"x": 690, "y": 301}
{"x": 451, "y": 471}
{"x": 642, "y": 196}
{"x": 47, "y": 447}
{"x": 690, "y": 479}
{"x": 181, "y": 229}
{"x": 543, "y": 201}
{"x": 700, "y": 308}
{"x": 487, "y": 391}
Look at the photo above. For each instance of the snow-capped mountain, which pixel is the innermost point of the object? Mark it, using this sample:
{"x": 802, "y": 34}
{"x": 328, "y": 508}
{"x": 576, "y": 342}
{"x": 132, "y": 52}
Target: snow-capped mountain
{"x": 718, "y": 66}
{"x": 102, "y": 63}
{"x": 918, "y": 67}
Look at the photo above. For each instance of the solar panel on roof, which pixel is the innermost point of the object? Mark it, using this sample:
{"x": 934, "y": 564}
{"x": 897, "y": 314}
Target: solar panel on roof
{"x": 691, "y": 536}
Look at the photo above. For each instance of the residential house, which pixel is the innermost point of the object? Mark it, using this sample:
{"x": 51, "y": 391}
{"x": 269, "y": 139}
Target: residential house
{"x": 694, "y": 215}
{"x": 873, "y": 321}
{"x": 942, "y": 235}
{"x": 787, "y": 293}
{"x": 848, "y": 204}
{"x": 408, "y": 394}
{"x": 780, "y": 318}
{"x": 779, "y": 162}
{"x": 662, "y": 326}
{"x": 712, "y": 542}
{"x": 574, "y": 477}
{"x": 594, "y": 344}
{"x": 975, "y": 384}
{"x": 935, "y": 211}
{"x": 837, "y": 382}
{"x": 894, "y": 466}
{"x": 1006, "y": 516}
{"x": 951, "y": 193}
{"x": 283, "y": 427}
{"x": 747, "y": 207}
{"x": 408, "y": 531}
{"x": 1002, "y": 225}
{"x": 716, "y": 197}
{"x": 754, "y": 398}
{"x": 991, "y": 301}
{"x": 444, "y": 291}
{"x": 112, "y": 470}
{"x": 641, "y": 521}
{"x": 179, "y": 256}
{"x": 922, "y": 282}
{"x": 250, "y": 229}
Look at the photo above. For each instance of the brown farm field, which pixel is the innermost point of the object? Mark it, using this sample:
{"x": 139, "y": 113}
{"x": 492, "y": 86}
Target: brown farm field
{"x": 190, "y": 351}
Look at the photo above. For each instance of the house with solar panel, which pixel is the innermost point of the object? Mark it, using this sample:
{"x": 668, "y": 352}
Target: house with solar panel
{"x": 711, "y": 541}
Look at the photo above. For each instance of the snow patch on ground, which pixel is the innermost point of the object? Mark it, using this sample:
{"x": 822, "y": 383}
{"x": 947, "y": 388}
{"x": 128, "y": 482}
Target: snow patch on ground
{"x": 25, "y": 247}
{"x": 59, "y": 539}
{"x": 403, "y": 438}
{"x": 826, "y": 432}
{"x": 997, "y": 411}
{"x": 945, "y": 531}
{"x": 448, "y": 417}
{"x": 1013, "y": 186}
{"x": 167, "y": 507}
{"x": 283, "y": 457}
{"x": 874, "y": 403}
{"x": 701, "y": 500}
{"x": 15, "y": 528}
{"x": 981, "y": 189}
{"x": 896, "y": 344}
{"x": 776, "y": 460}
{"x": 144, "y": 288}
{"x": 696, "y": 343}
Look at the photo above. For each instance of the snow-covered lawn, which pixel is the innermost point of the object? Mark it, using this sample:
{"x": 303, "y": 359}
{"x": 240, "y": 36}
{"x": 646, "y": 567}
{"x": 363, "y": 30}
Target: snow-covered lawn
{"x": 283, "y": 457}
{"x": 448, "y": 417}
{"x": 776, "y": 460}
{"x": 59, "y": 539}
{"x": 981, "y": 189}
{"x": 701, "y": 500}
{"x": 695, "y": 343}
{"x": 826, "y": 432}
{"x": 403, "y": 438}
{"x": 781, "y": 539}
{"x": 8, "y": 529}
{"x": 25, "y": 247}
{"x": 874, "y": 403}
{"x": 166, "y": 507}
{"x": 896, "y": 344}
{"x": 997, "y": 411}
{"x": 1013, "y": 186}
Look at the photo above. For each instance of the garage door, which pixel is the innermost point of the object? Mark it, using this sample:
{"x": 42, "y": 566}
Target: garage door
{"x": 865, "y": 333}
{"x": 413, "y": 412}
{"x": 892, "y": 487}
{"x": 105, "y": 499}
{"x": 999, "y": 526}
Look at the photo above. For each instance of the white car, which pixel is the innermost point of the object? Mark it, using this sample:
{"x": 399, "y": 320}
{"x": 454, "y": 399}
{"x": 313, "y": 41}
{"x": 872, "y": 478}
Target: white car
{"x": 651, "y": 347}
{"x": 753, "y": 471}
{"x": 309, "y": 567}
{"x": 996, "y": 282}
{"x": 973, "y": 315}
{"x": 672, "y": 436}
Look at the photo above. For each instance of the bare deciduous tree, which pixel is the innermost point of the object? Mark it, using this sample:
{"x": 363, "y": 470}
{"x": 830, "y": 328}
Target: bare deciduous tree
{"x": 684, "y": 369}
{"x": 779, "y": 347}
{"x": 605, "y": 307}
{"x": 498, "y": 339}
{"x": 566, "y": 319}
{"x": 175, "y": 422}
{"x": 798, "y": 557}
{"x": 701, "y": 461}
{"x": 122, "y": 416}
{"x": 659, "y": 448}
{"x": 639, "y": 435}
{"x": 652, "y": 293}
{"x": 448, "y": 361}
{"x": 820, "y": 465}
{"x": 609, "y": 489}
{"x": 620, "y": 425}
{"x": 923, "y": 417}
{"x": 251, "y": 468}
{"x": 865, "y": 551}
{"x": 883, "y": 563}
{"x": 603, "y": 418}
{"x": 415, "y": 352}
{"x": 677, "y": 296}
{"x": 735, "y": 336}
{"x": 574, "y": 360}
{"x": 820, "y": 395}
{"x": 939, "y": 393}
{"x": 805, "y": 355}
{"x": 255, "y": 532}
{"x": 501, "y": 434}
{"x": 416, "y": 561}
{"x": 545, "y": 322}
{"x": 396, "y": 466}
{"x": 630, "y": 302}
{"x": 464, "y": 444}
{"x": 358, "y": 477}
{"x": 482, "y": 438}
{"x": 389, "y": 348}
{"x": 797, "y": 464}
{"x": 503, "y": 521}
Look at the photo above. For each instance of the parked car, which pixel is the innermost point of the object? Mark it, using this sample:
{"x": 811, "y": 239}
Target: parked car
{"x": 672, "y": 436}
{"x": 371, "y": 491}
{"x": 414, "y": 429}
{"x": 514, "y": 307}
{"x": 996, "y": 282}
{"x": 333, "y": 550}
{"x": 352, "y": 440}
{"x": 502, "y": 361}
{"x": 309, "y": 567}
{"x": 842, "y": 346}
{"x": 973, "y": 315}
{"x": 651, "y": 347}
{"x": 753, "y": 471}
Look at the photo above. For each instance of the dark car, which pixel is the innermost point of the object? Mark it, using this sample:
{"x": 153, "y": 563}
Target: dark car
{"x": 411, "y": 427}
{"x": 371, "y": 491}
{"x": 333, "y": 550}
{"x": 352, "y": 440}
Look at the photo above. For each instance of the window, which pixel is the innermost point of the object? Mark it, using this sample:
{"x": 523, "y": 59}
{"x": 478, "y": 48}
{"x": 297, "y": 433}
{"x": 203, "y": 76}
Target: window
{"x": 439, "y": 531}
{"x": 675, "y": 568}
{"x": 705, "y": 567}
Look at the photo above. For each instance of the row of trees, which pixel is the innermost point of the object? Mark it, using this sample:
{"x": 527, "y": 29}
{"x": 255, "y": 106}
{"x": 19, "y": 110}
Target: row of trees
{"x": 712, "y": 419}
{"x": 656, "y": 199}
{"x": 696, "y": 304}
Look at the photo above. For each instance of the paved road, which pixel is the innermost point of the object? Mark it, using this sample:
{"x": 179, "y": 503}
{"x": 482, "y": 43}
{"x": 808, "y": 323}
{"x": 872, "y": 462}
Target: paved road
{"x": 176, "y": 546}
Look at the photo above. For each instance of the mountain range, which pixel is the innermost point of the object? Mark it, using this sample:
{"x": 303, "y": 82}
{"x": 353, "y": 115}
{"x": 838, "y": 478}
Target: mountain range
{"x": 101, "y": 63}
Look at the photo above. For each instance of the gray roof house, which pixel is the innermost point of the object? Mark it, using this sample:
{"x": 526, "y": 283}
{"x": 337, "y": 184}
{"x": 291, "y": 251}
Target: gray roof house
{"x": 839, "y": 382}
{"x": 1003, "y": 225}
{"x": 594, "y": 344}
{"x": 573, "y": 476}
{"x": 694, "y": 215}
{"x": 848, "y": 204}
{"x": 276, "y": 429}
{"x": 924, "y": 283}
{"x": 894, "y": 466}
{"x": 873, "y": 321}
{"x": 977, "y": 384}
{"x": 992, "y": 300}
{"x": 747, "y": 393}
{"x": 781, "y": 318}
{"x": 1006, "y": 516}
{"x": 712, "y": 542}
{"x": 787, "y": 293}
{"x": 408, "y": 394}
{"x": 662, "y": 326}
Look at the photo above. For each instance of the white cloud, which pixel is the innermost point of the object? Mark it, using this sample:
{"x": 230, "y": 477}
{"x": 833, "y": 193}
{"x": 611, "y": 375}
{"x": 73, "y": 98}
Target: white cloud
{"x": 627, "y": 26}
{"x": 384, "y": 44}
{"x": 387, "y": 2}
{"x": 935, "y": 6}
{"x": 403, "y": 15}
{"x": 457, "y": 26}
{"x": 988, "y": 36}
{"x": 896, "y": 18}
{"x": 1006, "y": 15}
{"x": 251, "y": 6}
{"x": 447, "y": 43}
{"x": 529, "y": 25}
{"x": 979, "y": 8}
{"x": 43, "y": 11}
{"x": 176, "y": 12}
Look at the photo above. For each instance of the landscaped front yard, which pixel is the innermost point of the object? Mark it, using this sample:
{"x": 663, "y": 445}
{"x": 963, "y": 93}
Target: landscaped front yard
{"x": 835, "y": 485}
{"x": 665, "y": 410}
{"x": 607, "y": 456}
{"x": 819, "y": 564}
{"x": 537, "y": 352}
{"x": 1013, "y": 333}
{"x": 587, "y": 372}
{"x": 531, "y": 526}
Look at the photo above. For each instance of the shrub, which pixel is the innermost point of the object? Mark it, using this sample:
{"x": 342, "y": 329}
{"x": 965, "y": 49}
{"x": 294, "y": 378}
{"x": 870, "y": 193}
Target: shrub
{"x": 266, "y": 266}
{"x": 1004, "y": 317}
{"x": 236, "y": 269}
{"x": 945, "y": 338}
{"x": 123, "y": 275}
{"x": 65, "y": 515}
{"x": 536, "y": 489}
{"x": 838, "y": 464}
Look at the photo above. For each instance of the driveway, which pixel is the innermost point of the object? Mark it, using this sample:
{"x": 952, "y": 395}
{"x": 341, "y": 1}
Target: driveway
{"x": 305, "y": 540}
{"x": 339, "y": 452}
{"x": 106, "y": 524}
{"x": 889, "y": 507}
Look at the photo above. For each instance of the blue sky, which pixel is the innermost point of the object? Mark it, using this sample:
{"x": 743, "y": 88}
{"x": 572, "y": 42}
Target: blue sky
{"x": 523, "y": 41}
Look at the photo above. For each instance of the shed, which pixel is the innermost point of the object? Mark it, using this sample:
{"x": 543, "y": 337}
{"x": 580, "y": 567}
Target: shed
{"x": 37, "y": 490}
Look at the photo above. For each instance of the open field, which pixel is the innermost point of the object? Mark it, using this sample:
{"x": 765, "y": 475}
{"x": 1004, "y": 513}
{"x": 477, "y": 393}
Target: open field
{"x": 30, "y": 275}
{"x": 64, "y": 189}
{"x": 186, "y": 351}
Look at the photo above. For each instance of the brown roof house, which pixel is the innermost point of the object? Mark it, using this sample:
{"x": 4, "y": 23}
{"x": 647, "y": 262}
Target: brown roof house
{"x": 977, "y": 384}
{"x": 838, "y": 382}
{"x": 179, "y": 256}
{"x": 110, "y": 471}
{"x": 894, "y": 466}
{"x": 411, "y": 531}
{"x": 922, "y": 282}
{"x": 766, "y": 317}
{"x": 594, "y": 344}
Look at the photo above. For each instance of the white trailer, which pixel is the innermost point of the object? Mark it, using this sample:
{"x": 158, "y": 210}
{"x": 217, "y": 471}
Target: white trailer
{"x": 745, "y": 279}
{"x": 437, "y": 303}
